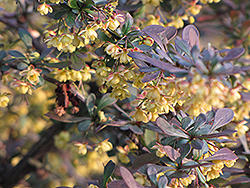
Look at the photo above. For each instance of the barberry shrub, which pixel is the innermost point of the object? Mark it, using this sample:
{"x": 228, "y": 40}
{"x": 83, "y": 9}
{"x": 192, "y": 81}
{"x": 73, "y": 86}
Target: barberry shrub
{"x": 124, "y": 93}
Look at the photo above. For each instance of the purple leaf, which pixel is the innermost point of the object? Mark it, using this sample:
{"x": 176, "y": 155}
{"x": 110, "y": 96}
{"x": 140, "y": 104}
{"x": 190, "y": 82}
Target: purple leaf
{"x": 237, "y": 70}
{"x": 153, "y": 31}
{"x": 117, "y": 184}
{"x": 150, "y": 77}
{"x": 191, "y": 35}
{"x": 170, "y": 32}
{"x": 239, "y": 180}
{"x": 223, "y": 133}
{"x": 245, "y": 96}
{"x": 157, "y": 63}
{"x": 152, "y": 172}
{"x": 222, "y": 154}
{"x": 169, "y": 129}
{"x": 233, "y": 54}
{"x": 128, "y": 178}
{"x": 165, "y": 55}
{"x": 145, "y": 159}
{"x": 171, "y": 153}
{"x": 222, "y": 117}
{"x": 140, "y": 63}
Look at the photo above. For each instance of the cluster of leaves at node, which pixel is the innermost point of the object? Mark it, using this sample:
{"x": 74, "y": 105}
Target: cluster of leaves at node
{"x": 185, "y": 55}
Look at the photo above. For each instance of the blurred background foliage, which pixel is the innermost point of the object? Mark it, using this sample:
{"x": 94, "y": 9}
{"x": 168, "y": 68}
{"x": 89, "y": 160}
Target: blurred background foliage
{"x": 224, "y": 24}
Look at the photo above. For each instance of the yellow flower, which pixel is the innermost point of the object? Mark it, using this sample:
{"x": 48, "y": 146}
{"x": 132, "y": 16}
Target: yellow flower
{"x": 89, "y": 33}
{"x": 82, "y": 147}
{"x": 104, "y": 146}
{"x": 57, "y": 1}
{"x": 123, "y": 154}
{"x": 141, "y": 179}
{"x": 218, "y": 164}
{"x": 113, "y": 50}
{"x": 32, "y": 74}
{"x": 153, "y": 93}
{"x": 153, "y": 20}
{"x": 102, "y": 72}
{"x": 66, "y": 38}
{"x": 75, "y": 75}
{"x": 120, "y": 93}
{"x": 241, "y": 128}
{"x": 129, "y": 74}
{"x": 188, "y": 180}
{"x": 93, "y": 186}
{"x": 22, "y": 87}
{"x": 160, "y": 150}
{"x": 86, "y": 73}
{"x": 124, "y": 58}
{"x": 4, "y": 99}
{"x": 213, "y": 174}
{"x": 112, "y": 24}
{"x": 230, "y": 163}
{"x": 44, "y": 9}
{"x": 140, "y": 116}
{"x": 62, "y": 75}
{"x": 177, "y": 22}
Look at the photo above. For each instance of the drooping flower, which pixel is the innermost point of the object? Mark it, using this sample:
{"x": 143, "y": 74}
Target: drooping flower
{"x": 22, "y": 87}
{"x": 4, "y": 99}
{"x": 44, "y": 9}
{"x": 32, "y": 74}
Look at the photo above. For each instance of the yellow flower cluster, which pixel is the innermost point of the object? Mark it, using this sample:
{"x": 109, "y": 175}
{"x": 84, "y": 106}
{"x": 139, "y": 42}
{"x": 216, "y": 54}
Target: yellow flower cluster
{"x": 62, "y": 75}
{"x": 22, "y": 87}
{"x": 209, "y": 1}
{"x": 181, "y": 182}
{"x": 215, "y": 170}
{"x": 157, "y": 99}
{"x": 69, "y": 42}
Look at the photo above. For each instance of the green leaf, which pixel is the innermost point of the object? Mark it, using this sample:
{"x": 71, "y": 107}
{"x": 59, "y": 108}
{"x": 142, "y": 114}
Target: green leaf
{"x": 22, "y": 66}
{"x": 25, "y": 37}
{"x": 100, "y": 2}
{"x": 17, "y": 54}
{"x": 103, "y": 37}
{"x": 108, "y": 170}
{"x": 199, "y": 121}
{"x": 2, "y": 55}
{"x": 45, "y": 52}
{"x": 127, "y": 24}
{"x": 135, "y": 129}
{"x": 60, "y": 65}
{"x": 197, "y": 144}
{"x": 185, "y": 150}
{"x": 66, "y": 118}
{"x": 105, "y": 101}
{"x": 182, "y": 45}
{"x": 77, "y": 64}
{"x": 90, "y": 103}
{"x": 169, "y": 129}
{"x": 150, "y": 138}
{"x": 202, "y": 178}
{"x": 70, "y": 20}
{"x": 84, "y": 125}
{"x": 73, "y": 4}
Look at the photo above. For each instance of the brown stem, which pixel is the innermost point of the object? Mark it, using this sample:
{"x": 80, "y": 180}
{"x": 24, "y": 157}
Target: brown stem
{"x": 38, "y": 151}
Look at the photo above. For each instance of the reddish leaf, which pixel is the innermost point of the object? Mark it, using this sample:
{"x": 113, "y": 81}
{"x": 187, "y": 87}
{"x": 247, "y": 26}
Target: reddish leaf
{"x": 171, "y": 153}
{"x": 191, "y": 35}
{"x": 117, "y": 184}
{"x": 222, "y": 154}
{"x": 150, "y": 77}
{"x": 153, "y": 31}
{"x": 222, "y": 117}
{"x": 157, "y": 63}
{"x": 145, "y": 159}
{"x": 239, "y": 180}
{"x": 245, "y": 96}
{"x": 128, "y": 178}
{"x": 233, "y": 54}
